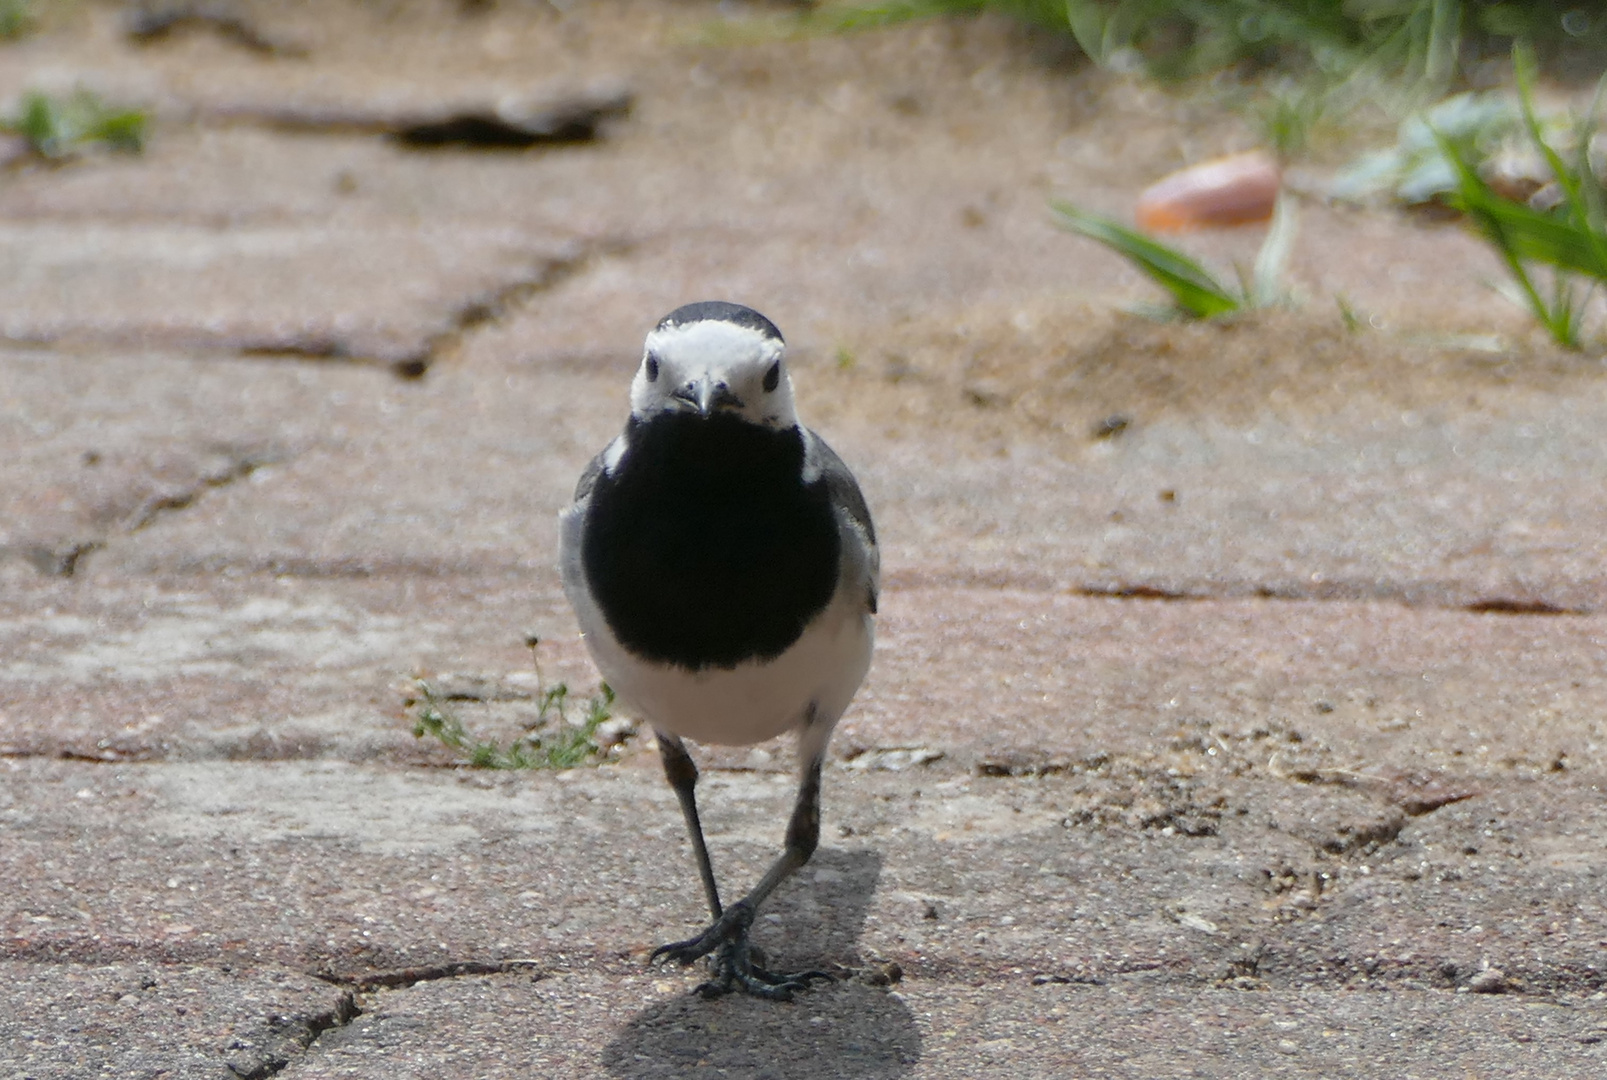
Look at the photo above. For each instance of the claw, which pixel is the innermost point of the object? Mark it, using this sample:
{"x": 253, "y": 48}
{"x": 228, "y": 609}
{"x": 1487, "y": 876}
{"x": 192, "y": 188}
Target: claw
{"x": 734, "y": 963}
{"x": 731, "y": 926}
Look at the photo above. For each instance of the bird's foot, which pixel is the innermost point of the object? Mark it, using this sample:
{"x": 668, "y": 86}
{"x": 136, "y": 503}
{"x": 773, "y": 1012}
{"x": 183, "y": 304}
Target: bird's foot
{"x": 735, "y": 963}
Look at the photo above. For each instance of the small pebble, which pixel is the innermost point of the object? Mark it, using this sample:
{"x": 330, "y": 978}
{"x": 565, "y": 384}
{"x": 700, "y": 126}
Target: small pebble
{"x": 1234, "y": 190}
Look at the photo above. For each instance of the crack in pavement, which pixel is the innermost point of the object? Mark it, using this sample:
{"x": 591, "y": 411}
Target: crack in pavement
{"x": 286, "y": 1038}
{"x": 408, "y": 352}
{"x": 469, "y": 315}
{"x": 241, "y": 464}
{"x": 1421, "y": 595}
{"x": 65, "y": 561}
{"x": 145, "y": 25}
{"x": 1351, "y": 592}
{"x": 556, "y": 117}
{"x": 290, "y": 1037}
{"x": 61, "y": 561}
{"x": 401, "y": 978}
{"x": 491, "y": 307}
{"x": 1494, "y": 605}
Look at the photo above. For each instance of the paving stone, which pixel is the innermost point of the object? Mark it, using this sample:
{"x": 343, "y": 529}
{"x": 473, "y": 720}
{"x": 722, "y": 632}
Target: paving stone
{"x": 146, "y": 1019}
{"x": 1091, "y": 874}
{"x": 1128, "y": 1029}
{"x": 306, "y": 290}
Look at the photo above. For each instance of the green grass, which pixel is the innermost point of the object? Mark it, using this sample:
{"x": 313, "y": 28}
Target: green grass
{"x": 572, "y": 744}
{"x": 1570, "y": 239}
{"x": 1195, "y": 292}
{"x": 1407, "y": 42}
{"x": 58, "y": 127}
{"x": 1311, "y": 69}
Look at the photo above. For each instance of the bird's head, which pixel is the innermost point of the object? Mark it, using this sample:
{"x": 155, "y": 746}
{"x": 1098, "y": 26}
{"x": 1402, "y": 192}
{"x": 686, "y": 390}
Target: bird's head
{"x": 715, "y": 358}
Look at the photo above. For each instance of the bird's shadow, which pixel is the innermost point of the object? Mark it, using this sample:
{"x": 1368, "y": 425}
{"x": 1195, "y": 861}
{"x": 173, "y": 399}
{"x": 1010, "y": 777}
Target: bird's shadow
{"x": 841, "y": 1029}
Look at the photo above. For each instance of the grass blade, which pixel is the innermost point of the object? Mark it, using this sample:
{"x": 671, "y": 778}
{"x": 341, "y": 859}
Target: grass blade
{"x": 1191, "y": 286}
{"x": 1583, "y": 217}
{"x": 1444, "y": 43}
{"x": 568, "y": 744}
{"x": 1519, "y": 232}
{"x": 1272, "y": 261}
{"x": 1532, "y": 234}
{"x": 1475, "y": 199}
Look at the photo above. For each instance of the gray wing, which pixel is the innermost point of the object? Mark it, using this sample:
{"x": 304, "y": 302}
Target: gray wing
{"x": 850, "y": 503}
{"x": 571, "y": 529}
{"x": 606, "y": 461}
{"x": 588, "y": 478}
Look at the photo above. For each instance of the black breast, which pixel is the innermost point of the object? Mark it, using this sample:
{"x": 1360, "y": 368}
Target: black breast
{"x": 705, "y": 548}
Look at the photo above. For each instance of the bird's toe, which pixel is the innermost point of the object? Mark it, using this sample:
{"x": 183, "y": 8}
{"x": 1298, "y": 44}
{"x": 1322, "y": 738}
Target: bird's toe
{"x": 735, "y": 964}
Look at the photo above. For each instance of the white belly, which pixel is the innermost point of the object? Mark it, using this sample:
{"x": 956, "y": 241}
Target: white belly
{"x": 749, "y": 703}
{"x": 753, "y": 701}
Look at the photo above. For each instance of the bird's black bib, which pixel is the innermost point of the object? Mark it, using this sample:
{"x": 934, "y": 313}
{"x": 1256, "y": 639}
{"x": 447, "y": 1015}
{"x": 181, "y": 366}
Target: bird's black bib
{"x": 705, "y": 547}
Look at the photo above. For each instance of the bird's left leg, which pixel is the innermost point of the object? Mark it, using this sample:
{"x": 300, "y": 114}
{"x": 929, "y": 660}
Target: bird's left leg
{"x": 727, "y": 938}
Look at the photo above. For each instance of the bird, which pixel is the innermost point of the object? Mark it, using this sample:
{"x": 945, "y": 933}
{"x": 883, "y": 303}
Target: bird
{"x": 723, "y": 568}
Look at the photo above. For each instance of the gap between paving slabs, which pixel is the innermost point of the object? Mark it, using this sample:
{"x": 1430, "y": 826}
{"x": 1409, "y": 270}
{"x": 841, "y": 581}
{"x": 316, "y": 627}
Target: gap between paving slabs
{"x": 1341, "y": 591}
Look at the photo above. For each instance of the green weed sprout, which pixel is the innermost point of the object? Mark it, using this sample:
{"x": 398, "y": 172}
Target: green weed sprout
{"x": 57, "y": 127}
{"x": 1196, "y": 293}
{"x": 573, "y": 744}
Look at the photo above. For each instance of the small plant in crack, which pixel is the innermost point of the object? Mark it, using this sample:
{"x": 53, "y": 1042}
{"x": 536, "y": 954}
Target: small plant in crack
{"x": 563, "y": 734}
{"x": 60, "y": 127}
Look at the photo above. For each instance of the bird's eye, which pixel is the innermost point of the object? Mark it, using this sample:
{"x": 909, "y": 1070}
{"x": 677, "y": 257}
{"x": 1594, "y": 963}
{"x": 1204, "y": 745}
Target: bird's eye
{"x": 772, "y": 378}
{"x": 652, "y": 368}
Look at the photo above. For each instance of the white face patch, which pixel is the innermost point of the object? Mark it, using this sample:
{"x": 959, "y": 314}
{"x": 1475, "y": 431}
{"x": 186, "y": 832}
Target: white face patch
{"x": 715, "y": 366}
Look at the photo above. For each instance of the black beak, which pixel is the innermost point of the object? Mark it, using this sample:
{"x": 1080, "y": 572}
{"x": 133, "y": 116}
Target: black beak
{"x": 707, "y": 398}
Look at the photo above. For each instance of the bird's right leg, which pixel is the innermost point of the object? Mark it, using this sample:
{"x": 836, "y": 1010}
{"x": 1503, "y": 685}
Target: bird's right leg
{"x": 682, "y": 774}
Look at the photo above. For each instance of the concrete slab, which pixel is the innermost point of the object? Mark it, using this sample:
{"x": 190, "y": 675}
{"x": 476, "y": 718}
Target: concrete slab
{"x": 147, "y": 1020}
{"x": 370, "y": 294}
{"x": 1127, "y": 1029}
{"x": 1441, "y": 506}
{"x": 1065, "y": 921}
{"x": 1089, "y": 874}
{"x": 1004, "y": 681}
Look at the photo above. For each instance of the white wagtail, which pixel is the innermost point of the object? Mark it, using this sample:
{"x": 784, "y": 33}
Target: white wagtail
{"x": 723, "y": 567}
